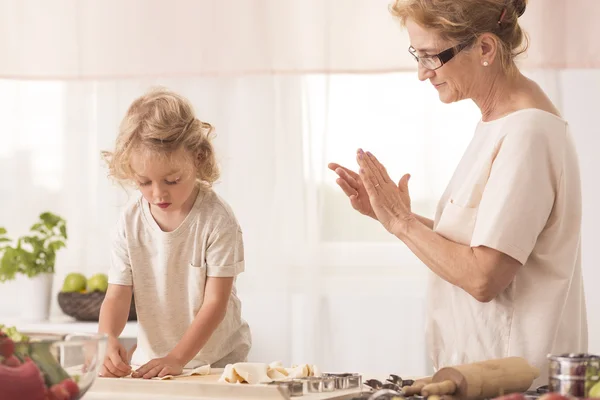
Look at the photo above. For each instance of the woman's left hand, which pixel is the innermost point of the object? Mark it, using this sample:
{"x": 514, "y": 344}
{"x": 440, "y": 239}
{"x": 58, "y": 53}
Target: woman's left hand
{"x": 159, "y": 367}
{"x": 390, "y": 202}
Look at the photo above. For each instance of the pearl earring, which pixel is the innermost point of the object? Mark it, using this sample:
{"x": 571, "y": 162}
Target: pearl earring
{"x": 485, "y": 64}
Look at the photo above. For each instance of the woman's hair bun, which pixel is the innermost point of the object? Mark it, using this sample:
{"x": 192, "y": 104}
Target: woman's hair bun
{"x": 520, "y": 6}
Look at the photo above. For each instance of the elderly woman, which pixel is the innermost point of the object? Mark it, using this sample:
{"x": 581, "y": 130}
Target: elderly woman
{"x": 505, "y": 244}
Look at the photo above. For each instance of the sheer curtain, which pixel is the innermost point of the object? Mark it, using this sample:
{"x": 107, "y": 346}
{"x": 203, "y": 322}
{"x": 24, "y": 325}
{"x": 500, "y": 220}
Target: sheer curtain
{"x": 323, "y": 284}
{"x": 319, "y": 275}
{"x": 273, "y": 142}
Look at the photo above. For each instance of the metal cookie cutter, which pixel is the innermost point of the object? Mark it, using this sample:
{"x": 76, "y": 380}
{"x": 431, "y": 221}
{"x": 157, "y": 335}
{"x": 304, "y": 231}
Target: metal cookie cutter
{"x": 294, "y": 387}
{"x": 346, "y": 380}
{"x": 320, "y": 384}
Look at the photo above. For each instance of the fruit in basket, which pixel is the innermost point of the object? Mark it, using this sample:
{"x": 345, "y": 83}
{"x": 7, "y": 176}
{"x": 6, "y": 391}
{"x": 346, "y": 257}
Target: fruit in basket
{"x": 98, "y": 282}
{"x": 74, "y": 282}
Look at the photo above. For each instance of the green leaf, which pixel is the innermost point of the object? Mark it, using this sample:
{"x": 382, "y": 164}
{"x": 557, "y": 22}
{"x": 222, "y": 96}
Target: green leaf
{"x": 57, "y": 245}
{"x": 9, "y": 264}
{"x": 34, "y": 253}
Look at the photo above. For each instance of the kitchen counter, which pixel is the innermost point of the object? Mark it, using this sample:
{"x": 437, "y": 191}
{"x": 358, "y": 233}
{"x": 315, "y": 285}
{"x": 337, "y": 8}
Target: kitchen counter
{"x": 64, "y": 325}
{"x": 199, "y": 387}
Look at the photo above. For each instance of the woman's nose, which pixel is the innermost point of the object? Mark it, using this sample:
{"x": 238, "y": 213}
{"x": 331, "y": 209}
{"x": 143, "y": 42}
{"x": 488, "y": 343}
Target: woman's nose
{"x": 424, "y": 73}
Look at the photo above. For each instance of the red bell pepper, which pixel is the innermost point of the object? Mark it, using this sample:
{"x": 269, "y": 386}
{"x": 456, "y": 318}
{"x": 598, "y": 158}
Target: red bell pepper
{"x": 22, "y": 382}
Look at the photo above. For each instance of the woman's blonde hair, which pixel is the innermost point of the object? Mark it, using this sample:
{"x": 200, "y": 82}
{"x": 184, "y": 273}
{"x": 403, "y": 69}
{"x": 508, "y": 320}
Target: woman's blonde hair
{"x": 163, "y": 122}
{"x": 464, "y": 20}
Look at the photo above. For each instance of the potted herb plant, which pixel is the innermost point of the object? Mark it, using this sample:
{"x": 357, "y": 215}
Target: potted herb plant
{"x": 33, "y": 257}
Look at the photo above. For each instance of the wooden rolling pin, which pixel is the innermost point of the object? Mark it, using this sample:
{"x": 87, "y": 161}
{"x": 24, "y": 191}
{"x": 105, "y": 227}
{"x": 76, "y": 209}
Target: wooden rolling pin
{"x": 483, "y": 380}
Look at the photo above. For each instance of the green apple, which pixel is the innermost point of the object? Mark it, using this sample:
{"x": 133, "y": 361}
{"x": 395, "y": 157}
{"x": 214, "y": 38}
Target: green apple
{"x": 98, "y": 282}
{"x": 595, "y": 390}
{"x": 74, "y": 282}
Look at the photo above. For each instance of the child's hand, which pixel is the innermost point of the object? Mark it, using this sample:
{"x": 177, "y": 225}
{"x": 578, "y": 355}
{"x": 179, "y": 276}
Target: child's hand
{"x": 116, "y": 361}
{"x": 159, "y": 367}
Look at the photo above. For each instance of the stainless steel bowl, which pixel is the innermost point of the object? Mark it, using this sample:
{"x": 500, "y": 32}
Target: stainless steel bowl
{"x": 573, "y": 374}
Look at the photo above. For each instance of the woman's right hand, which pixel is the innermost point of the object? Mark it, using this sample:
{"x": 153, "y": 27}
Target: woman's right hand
{"x": 352, "y": 185}
{"x": 116, "y": 360}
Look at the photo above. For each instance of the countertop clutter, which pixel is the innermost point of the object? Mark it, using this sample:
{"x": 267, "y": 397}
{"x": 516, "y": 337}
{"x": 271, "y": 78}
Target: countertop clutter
{"x": 64, "y": 363}
{"x": 241, "y": 380}
{"x": 503, "y": 379}
{"x": 272, "y": 381}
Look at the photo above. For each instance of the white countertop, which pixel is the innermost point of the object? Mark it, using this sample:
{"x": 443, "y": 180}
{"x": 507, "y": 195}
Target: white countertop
{"x": 64, "y": 325}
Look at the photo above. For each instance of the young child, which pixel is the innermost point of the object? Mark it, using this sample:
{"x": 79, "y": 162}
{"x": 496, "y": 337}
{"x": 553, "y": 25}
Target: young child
{"x": 178, "y": 248}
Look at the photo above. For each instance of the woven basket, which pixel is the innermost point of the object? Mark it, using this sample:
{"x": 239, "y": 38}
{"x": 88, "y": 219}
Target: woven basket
{"x": 86, "y": 306}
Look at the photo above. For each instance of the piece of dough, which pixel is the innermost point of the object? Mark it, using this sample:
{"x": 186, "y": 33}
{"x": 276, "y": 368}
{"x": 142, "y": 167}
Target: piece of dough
{"x": 229, "y": 375}
{"x": 252, "y": 373}
{"x": 316, "y": 371}
{"x": 278, "y": 374}
{"x": 298, "y": 371}
{"x": 202, "y": 370}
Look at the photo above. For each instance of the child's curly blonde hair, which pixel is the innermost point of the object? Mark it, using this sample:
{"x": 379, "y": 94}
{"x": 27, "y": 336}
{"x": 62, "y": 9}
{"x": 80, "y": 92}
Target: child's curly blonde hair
{"x": 162, "y": 122}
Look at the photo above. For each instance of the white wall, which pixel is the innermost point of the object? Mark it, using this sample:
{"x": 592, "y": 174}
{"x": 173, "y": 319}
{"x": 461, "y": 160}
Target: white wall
{"x": 580, "y": 91}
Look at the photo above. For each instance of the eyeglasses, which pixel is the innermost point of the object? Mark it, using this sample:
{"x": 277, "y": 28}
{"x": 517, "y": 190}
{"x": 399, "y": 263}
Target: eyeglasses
{"x": 435, "y": 61}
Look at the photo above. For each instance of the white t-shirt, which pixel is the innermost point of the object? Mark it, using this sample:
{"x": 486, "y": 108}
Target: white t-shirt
{"x": 517, "y": 190}
{"x": 168, "y": 271}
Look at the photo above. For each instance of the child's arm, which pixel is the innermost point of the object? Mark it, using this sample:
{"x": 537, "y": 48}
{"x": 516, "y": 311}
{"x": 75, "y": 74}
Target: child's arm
{"x": 208, "y": 318}
{"x": 114, "y": 313}
{"x": 211, "y": 314}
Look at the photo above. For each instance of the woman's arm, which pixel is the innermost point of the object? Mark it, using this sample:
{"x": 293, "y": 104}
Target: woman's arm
{"x": 425, "y": 221}
{"x": 352, "y": 185}
{"x": 481, "y": 271}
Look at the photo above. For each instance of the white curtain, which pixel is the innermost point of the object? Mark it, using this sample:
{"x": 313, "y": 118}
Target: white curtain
{"x": 319, "y": 276}
{"x": 289, "y": 86}
{"x": 89, "y": 39}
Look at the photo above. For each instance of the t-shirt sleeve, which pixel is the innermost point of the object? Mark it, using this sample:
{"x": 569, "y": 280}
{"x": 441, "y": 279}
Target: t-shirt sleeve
{"x": 120, "y": 264}
{"x": 520, "y": 192}
{"x": 225, "y": 251}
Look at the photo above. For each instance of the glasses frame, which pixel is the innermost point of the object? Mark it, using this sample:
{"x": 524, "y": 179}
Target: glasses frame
{"x": 443, "y": 57}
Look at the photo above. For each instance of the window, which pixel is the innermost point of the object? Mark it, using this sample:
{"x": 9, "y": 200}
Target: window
{"x": 32, "y": 149}
{"x": 399, "y": 119}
